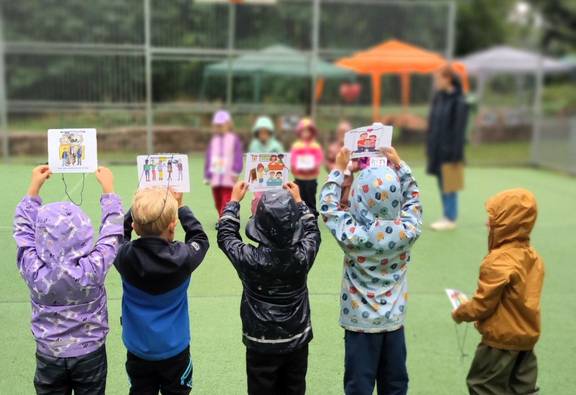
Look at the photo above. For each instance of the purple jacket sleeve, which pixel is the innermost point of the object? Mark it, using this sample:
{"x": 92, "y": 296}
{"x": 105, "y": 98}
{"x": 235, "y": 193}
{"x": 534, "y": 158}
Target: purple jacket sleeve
{"x": 238, "y": 156}
{"x": 207, "y": 160}
{"x": 111, "y": 236}
{"x": 24, "y": 234}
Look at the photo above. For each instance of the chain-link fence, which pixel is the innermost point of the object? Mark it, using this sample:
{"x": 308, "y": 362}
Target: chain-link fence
{"x": 145, "y": 64}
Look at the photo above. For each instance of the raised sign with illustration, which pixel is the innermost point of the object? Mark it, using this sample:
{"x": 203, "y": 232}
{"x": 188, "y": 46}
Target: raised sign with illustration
{"x": 266, "y": 172}
{"x": 164, "y": 170}
{"x": 72, "y": 150}
{"x": 367, "y": 141}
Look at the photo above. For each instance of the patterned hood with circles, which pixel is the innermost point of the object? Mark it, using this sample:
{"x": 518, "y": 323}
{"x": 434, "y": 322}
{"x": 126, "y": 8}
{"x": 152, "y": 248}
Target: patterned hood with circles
{"x": 376, "y": 194}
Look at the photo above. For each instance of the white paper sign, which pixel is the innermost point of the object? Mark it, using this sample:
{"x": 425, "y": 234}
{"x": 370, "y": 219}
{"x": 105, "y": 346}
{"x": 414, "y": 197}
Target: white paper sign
{"x": 72, "y": 150}
{"x": 305, "y": 162}
{"x": 378, "y": 161}
{"x": 164, "y": 170}
{"x": 367, "y": 140}
{"x": 265, "y": 172}
{"x": 457, "y": 298}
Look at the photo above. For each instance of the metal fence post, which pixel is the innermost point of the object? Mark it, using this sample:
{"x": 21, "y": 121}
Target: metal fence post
{"x": 315, "y": 49}
{"x": 230, "y": 47}
{"x": 148, "y": 72}
{"x": 451, "y": 31}
{"x": 3, "y": 95}
{"x": 537, "y": 113}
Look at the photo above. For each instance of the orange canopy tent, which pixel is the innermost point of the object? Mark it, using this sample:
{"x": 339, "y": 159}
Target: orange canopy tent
{"x": 397, "y": 57}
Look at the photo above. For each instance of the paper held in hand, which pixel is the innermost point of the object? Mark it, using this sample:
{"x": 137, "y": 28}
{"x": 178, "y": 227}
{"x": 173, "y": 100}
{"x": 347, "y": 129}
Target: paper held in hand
{"x": 163, "y": 170}
{"x": 456, "y": 297}
{"x": 266, "y": 172}
{"x": 72, "y": 150}
{"x": 367, "y": 140}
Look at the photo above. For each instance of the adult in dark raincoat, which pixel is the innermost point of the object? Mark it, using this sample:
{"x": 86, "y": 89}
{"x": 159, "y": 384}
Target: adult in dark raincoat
{"x": 275, "y": 309}
{"x": 446, "y": 137}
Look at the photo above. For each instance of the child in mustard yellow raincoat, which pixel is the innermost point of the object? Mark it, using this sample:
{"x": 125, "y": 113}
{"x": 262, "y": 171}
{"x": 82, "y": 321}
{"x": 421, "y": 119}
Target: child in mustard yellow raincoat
{"x": 506, "y": 306}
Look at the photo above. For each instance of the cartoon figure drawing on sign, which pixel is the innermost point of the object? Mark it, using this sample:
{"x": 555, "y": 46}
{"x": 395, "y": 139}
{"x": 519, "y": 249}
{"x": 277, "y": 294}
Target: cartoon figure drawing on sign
{"x": 180, "y": 168}
{"x": 147, "y": 169}
{"x": 253, "y": 176}
{"x": 362, "y": 142}
{"x": 170, "y": 169}
{"x": 261, "y": 171}
{"x": 153, "y": 169}
{"x": 79, "y": 156}
{"x": 160, "y": 170}
{"x": 370, "y": 143}
{"x": 71, "y": 149}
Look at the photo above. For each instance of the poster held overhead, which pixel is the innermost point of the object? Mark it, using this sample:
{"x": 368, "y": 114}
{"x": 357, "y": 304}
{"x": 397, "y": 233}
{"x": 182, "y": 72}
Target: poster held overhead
{"x": 72, "y": 150}
{"x": 163, "y": 170}
{"x": 266, "y": 172}
{"x": 366, "y": 141}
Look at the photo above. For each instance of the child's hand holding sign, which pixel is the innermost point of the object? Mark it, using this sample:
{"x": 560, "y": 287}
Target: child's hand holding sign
{"x": 106, "y": 179}
{"x": 39, "y": 176}
{"x": 239, "y": 191}
{"x": 294, "y": 191}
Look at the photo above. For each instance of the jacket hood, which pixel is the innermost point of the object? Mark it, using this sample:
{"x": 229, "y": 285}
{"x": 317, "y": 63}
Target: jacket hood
{"x": 512, "y": 215}
{"x": 63, "y": 232}
{"x": 276, "y": 222}
{"x": 376, "y": 194}
{"x": 263, "y": 122}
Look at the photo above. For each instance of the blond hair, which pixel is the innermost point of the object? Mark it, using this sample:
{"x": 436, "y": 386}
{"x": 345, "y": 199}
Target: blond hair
{"x": 153, "y": 209}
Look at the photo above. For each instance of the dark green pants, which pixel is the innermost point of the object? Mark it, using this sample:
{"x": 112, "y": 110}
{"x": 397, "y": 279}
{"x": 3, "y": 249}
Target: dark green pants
{"x": 502, "y": 372}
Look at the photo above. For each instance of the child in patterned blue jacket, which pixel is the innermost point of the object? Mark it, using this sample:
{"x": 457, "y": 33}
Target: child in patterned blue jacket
{"x": 376, "y": 235}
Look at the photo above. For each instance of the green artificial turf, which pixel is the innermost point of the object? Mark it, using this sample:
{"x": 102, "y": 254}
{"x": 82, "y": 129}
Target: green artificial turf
{"x": 440, "y": 260}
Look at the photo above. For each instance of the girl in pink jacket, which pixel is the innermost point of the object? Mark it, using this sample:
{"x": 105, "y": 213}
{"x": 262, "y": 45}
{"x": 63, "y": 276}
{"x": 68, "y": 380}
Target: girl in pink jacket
{"x": 224, "y": 159}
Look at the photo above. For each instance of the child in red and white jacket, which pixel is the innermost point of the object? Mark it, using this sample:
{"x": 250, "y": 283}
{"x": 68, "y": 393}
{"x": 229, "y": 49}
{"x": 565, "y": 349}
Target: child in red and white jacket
{"x": 306, "y": 158}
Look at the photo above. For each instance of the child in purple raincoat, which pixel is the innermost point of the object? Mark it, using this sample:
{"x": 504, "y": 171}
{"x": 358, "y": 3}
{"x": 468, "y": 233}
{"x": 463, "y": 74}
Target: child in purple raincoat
{"x": 65, "y": 273}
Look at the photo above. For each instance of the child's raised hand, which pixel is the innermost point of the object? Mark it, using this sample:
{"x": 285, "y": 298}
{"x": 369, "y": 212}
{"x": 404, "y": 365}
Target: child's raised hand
{"x": 179, "y": 196}
{"x": 392, "y": 155}
{"x": 342, "y": 159}
{"x": 239, "y": 191}
{"x": 294, "y": 191}
{"x": 39, "y": 175}
{"x": 106, "y": 179}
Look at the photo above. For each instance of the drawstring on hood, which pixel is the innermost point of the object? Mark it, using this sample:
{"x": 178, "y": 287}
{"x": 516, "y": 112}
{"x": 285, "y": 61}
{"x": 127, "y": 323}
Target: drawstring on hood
{"x": 276, "y": 222}
{"x": 376, "y": 194}
{"x": 512, "y": 215}
{"x": 63, "y": 233}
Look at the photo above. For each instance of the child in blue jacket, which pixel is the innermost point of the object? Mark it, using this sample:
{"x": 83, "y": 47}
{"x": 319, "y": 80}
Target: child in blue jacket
{"x": 376, "y": 235}
{"x": 156, "y": 272}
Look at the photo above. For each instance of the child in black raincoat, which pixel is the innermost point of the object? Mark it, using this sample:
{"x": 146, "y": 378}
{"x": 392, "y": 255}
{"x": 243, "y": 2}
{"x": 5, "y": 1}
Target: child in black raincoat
{"x": 275, "y": 308}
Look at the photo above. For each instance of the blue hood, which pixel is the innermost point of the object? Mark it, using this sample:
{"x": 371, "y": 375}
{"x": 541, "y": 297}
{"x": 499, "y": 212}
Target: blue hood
{"x": 376, "y": 194}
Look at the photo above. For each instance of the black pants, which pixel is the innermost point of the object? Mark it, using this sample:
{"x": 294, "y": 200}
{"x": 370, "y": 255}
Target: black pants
{"x": 375, "y": 358}
{"x": 277, "y": 374}
{"x": 60, "y": 376}
{"x": 308, "y": 190}
{"x": 168, "y": 376}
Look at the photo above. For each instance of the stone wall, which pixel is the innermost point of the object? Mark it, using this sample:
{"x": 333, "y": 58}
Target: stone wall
{"x": 166, "y": 139}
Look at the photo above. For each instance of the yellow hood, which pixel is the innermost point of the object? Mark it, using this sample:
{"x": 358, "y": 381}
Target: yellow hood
{"x": 512, "y": 215}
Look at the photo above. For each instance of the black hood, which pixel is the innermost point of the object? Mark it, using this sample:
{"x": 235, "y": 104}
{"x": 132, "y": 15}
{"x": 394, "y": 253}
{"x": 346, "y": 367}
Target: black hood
{"x": 276, "y": 222}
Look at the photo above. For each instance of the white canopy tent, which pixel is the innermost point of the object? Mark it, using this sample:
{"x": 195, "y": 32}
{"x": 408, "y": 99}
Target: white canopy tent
{"x": 502, "y": 59}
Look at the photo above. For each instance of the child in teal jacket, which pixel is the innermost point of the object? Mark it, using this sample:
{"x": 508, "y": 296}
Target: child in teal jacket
{"x": 376, "y": 235}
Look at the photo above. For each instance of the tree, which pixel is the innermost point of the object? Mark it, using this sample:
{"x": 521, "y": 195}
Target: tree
{"x": 481, "y": 24}
{"x": 559, "y": 30}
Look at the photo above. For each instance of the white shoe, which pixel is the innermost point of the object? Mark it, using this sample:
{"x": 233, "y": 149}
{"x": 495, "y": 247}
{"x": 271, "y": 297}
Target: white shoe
{"x": 443, "y": 224}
